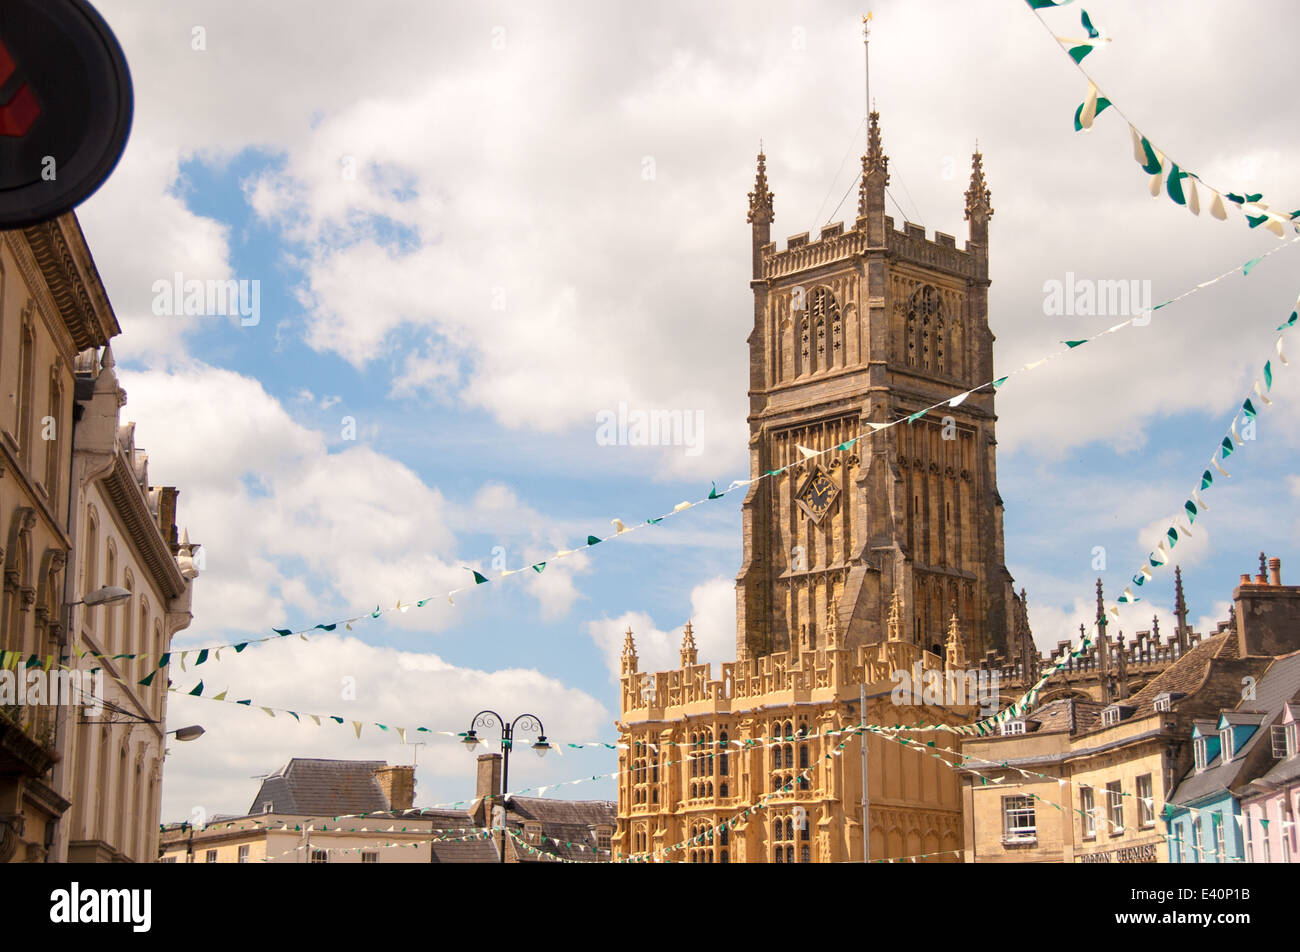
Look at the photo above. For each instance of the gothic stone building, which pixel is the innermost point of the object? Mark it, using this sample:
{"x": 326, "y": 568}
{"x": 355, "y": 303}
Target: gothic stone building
{"x": 857, "y": 563}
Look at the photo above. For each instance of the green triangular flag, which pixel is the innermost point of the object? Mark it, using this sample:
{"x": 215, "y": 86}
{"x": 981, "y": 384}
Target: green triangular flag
{"x": 163, "y": 661}
{"x": 1075, "y": 343}
{"x": 847, "y": 444}
{"x": 1102, "y": 104}
{"x": 203, "y": 656}
{"x": 1249, "y": 266}
{"x": 282, "y": 631}
{"x": 999, "y": 382}
{"x": 1249, "y": 409}
{"x": 198, "y": 690}
{"x": 714, "y": 494}
{"x": 1206, "y": 479}
{"x": 1077, "y": 53}
{"x": 1295, "y": 315}
{"x": 147, "y": 681}
{"x": 1152, "y": 164}
{"x": 479, "y": 577}
{"x": 240, "y": 647}
{"x": 1268, "y": 375}
{"x": 538, "y": 567}
{"x": 917, "y": 415}
{"x": 1228, "y": 448}
{"x": 592, "y": 540}
{"x": 1175, "y": 186}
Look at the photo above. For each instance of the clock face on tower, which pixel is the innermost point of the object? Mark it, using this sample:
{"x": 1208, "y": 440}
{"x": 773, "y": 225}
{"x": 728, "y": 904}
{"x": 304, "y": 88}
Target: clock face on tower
{"x": 817, "y": 494}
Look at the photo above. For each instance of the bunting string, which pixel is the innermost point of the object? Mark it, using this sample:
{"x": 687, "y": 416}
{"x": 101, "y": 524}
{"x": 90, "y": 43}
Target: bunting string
{"x": 1178, "y": 181}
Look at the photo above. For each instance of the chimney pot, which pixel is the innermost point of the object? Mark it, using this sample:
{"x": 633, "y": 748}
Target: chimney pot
{"x": 1275, "y": 571}
{"x": 1245, "y": 578}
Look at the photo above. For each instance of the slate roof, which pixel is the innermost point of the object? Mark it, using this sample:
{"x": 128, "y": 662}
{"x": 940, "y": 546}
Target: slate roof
{"x": 1073, "y": 715}
{"x": 1278, "y": 685}
{"x": 311, "y": 787}
{"x": 1186, "y": 674}
{"x": 565, "y": 821}
{"x": 449, "y": 848}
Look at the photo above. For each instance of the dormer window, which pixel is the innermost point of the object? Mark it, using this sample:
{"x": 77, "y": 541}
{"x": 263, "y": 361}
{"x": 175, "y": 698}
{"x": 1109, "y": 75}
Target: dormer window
{"x": 1114, "y": 714}
{"x": 1163, "y": 703}
{"x": 266, "y": 807}
{"x": 1010, "y": 728}
{"x": 1201, "y": 749}
{"x": 1225, "y": 739}
{"x": 1292, "y": 738}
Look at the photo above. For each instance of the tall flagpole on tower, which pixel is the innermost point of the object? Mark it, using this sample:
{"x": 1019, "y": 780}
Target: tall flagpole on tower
{"x": 866, "y": 64}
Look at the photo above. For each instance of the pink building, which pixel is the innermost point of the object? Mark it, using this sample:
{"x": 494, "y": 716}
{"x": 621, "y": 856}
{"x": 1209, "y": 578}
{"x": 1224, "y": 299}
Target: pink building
{"x": 1271, "y": 803}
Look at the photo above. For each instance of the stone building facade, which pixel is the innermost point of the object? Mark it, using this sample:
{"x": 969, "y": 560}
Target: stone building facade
{"x": 78, "y": 515}
{"x": 883, "y": 555}
{"x": 52, "y": 307}
{"x": 124, "y": 531}
{"x": 856, "y": 329}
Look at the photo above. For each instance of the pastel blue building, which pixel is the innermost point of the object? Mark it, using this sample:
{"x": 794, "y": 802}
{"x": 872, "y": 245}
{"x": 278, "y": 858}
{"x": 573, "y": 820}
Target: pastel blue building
{"x": 1203, "y": 814}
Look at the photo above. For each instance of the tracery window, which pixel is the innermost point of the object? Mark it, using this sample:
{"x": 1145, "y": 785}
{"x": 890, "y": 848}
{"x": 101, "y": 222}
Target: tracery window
{"x": 924, "y": 336}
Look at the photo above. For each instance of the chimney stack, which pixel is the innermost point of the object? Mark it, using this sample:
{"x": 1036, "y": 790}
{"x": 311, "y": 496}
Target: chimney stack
{"x": 489, "y": 776}
{"x": 1275, "y": 571}
{"x": 398, "y": 784}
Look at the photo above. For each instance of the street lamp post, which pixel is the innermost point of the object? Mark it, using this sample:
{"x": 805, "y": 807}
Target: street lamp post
{"x": 526, "y": 722}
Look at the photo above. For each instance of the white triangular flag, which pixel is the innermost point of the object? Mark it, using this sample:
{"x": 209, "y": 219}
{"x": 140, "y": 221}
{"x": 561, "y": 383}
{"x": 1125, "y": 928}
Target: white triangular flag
{"x": 805, "y": 452}
{"x": 1089, "y": 111}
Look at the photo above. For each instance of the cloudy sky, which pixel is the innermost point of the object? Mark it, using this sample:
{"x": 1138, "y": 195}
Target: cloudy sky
{"x": 478, "y": 227}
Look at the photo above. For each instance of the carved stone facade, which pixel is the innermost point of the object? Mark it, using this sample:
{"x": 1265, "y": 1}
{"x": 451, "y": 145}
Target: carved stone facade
{"x": 697, "y": 752}
{"x": 884, "y": 554}
{"x": 854, "y": 330}
{"x": 51, "y": 307}
{"x": 78, "y": 514}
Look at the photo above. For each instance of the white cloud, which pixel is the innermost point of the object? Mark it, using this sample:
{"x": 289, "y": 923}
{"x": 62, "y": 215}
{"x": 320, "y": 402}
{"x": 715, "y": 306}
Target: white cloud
{"x": 713, "y": 624}
{"x": 216, "y": 771}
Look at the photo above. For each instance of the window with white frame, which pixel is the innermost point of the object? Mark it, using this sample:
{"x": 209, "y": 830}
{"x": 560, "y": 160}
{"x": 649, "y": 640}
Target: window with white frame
{"x": 1277, "y": 734}
{"x": 1195, "y": 824}
{"x": 1115, "y": 807}
{"x": 1012, "y": 727}
{"x": 1163, "y": 704}
{"x": 1293, "y": 738}
{"x": 320, "y": 856}
{"x": 1220, "y": 846}
{"x": 1225, "y": 741}
{"x": 1146, "y": 803}
{"x": 210, "y": 856}
{"x": 1019, "y": 824}
{"x": 1250, "y": 839}
{"x": 1088, "y": 813}
{"x": 1201, "y": 750}
{"x": 243, "y": 853}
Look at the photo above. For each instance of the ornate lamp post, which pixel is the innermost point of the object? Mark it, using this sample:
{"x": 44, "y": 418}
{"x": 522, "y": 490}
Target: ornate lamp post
{"x": 525, "y": 722}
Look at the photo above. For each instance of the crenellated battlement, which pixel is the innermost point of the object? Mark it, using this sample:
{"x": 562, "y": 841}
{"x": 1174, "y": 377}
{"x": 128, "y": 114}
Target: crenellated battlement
{"x": 833, "y": 244}
{"x": 822, "y": 674}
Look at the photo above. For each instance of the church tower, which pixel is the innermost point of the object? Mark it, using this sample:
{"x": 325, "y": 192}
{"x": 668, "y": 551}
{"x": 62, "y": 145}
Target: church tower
{"x": 851, "y": 330}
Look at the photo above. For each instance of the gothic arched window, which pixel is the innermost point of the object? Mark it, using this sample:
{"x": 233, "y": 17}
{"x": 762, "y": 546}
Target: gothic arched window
{"x": 925, "y": 329}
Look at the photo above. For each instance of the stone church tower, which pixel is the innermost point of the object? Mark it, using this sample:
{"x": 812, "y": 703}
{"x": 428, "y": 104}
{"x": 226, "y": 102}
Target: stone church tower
{"x": 856, "y": 328}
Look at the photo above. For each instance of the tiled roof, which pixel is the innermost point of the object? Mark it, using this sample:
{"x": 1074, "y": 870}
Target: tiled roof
{"x": 1073, "y": 715}
{"x": 1274, "y": 689}
{"x": 310, "y": 787}
{"x": 1186, "y": 674}
{"x": 565, "y": 821}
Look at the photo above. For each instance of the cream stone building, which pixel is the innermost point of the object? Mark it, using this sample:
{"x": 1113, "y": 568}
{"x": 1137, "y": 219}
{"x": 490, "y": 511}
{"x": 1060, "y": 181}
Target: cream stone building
{"x": 79, "y": 514}
{"x": 125, "y": 532}
{"x": 882, "y": 553}
{"x": 1077, "y": 780}
{"x": 52, "y": 307}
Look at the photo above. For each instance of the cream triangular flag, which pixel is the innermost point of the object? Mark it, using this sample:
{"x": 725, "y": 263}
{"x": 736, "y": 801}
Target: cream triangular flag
{"x": 805, "y": 452}
{"x": 1216, "y": 208}
{"x": 1089, "y": 111}
{"x": 1193, "y": 198}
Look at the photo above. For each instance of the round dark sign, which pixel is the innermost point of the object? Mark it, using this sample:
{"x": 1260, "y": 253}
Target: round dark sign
{"x": 65, "y": 107}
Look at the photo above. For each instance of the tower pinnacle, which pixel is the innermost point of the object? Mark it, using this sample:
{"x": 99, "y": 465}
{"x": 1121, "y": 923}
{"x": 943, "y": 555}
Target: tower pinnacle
{"x": 760, "y": 199}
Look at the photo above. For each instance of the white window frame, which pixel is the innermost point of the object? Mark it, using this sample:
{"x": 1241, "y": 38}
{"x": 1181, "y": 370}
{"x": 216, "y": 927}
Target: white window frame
{"x": 1013, "y": 728}
{"x": 1146, "y": 802}
{"x": 1088, "y": 812}
{"x": 1015, "y": 810}
{"x": 243, "y": 853}
{"x": 1115, "y": 807}
{"x": 1277, "y": 735}
{"x": 1226, "y": 746}
{"x": 1201, "y": 749}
